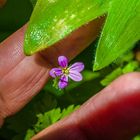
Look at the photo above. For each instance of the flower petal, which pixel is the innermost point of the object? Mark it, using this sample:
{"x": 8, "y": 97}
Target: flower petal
{"x": 75, "y": 75}
{"x": 63, "y": 82}
{"x": 78, "y": 66}
{"x": 55, "y": 72}
{"x": 63, "y": 61}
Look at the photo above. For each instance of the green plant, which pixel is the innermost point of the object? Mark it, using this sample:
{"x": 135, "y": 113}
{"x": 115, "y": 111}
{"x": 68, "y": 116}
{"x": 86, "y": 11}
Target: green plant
{"x": 63, "y": 17}
{"x": 115, "y": 44}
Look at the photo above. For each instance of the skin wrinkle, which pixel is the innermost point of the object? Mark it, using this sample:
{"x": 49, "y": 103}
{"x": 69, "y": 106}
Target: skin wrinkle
{"x": 21, "y": 97}
{"x": 36, "y": 80}
{"x": 19, "y": 91}
{"x": 10, "y": 71}
{"x": 27, "y": 86}
{"x": 10, "y": 51}
{"x": 31, "y": 81}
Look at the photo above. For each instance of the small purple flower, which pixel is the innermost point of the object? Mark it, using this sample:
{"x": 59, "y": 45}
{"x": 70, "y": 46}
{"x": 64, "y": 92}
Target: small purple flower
{"x": 65, "y": 72}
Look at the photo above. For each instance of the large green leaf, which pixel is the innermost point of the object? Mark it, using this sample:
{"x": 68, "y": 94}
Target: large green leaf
{"x": 52, "y": 20}
{"x": 120, "y": 33}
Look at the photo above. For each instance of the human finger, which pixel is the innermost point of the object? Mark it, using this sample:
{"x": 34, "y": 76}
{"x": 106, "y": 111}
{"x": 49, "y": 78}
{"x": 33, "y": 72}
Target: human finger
{"x": 112, "y": 114}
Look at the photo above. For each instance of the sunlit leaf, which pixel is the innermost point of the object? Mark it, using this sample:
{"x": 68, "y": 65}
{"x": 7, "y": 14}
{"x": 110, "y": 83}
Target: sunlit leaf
{"x": 120, "y": 33}
{"x": 52, "y": 20}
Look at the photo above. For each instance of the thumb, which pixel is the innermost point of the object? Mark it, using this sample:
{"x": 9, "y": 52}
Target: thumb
{"x": 112, "y": 114}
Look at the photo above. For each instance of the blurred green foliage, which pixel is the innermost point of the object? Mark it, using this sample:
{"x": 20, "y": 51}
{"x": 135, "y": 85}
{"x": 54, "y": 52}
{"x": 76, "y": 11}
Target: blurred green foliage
{"x": 137, "y": 137}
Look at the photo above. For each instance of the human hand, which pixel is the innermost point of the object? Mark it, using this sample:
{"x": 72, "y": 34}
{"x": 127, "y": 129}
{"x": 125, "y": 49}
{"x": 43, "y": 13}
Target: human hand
{"x": 22, "y": 77}
{"x": 112, "y": 114}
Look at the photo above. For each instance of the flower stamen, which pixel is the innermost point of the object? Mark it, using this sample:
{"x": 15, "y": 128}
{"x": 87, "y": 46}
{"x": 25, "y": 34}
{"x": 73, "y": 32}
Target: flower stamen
{"x": 65, "y": 71}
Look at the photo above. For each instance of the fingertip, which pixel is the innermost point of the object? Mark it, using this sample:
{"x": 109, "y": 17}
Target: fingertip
{"x": 112, "y": 114}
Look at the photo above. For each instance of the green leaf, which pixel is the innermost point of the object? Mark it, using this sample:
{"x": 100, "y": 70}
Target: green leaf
{"x": 29, "y": 135}
{"x": 120, "y": 33}
{"x": 44, "y": 120}
{"x": 137, "y": 137}
{"x": 52, "y": 116}
{"x": 125, "y": 58}
{"x": 48, "y": 118}
{"x": 109, "y": 78}
{"x": 55, "y": 115}
{"x": 51, "y": 21}
{"x": 67, "y": 111}
{"x": 130, "y": 67}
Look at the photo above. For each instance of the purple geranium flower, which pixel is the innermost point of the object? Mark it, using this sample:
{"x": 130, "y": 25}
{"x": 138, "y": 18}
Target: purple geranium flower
{"x": 65, "y": 72}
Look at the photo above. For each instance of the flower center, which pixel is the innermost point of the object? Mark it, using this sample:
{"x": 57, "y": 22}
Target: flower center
{"x": 65, "y": 71}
